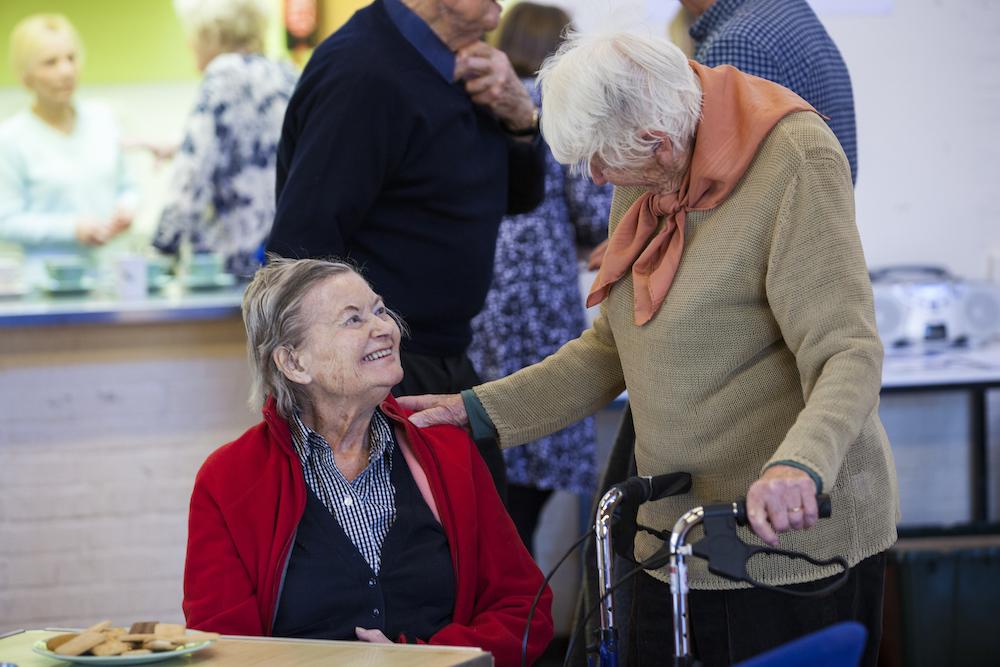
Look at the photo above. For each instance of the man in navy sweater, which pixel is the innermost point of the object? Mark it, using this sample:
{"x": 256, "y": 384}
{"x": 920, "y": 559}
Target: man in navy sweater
{"x": 405, "y": 142}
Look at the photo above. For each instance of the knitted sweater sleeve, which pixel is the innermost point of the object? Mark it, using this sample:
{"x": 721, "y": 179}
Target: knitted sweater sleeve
{"x": 819, "y": 291}
{"x": 581, "y": 377}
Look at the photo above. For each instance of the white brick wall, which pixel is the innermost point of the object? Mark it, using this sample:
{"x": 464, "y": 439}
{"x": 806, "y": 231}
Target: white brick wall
{"x": 99, "y": 444}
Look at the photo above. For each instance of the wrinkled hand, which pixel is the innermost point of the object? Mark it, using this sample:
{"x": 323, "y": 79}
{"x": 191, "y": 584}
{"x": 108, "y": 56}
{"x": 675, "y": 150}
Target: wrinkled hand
{"x": 162, "y": 152}
{"x": 597, "y": 256}
{"x": 783, "y": 499}
{"x": 120, "y": 221}
{"x": 371, "y": 636}
{"x": 434, "y": 409}
{"x": 490, "y": 81}
{"x": 91, "y": 231}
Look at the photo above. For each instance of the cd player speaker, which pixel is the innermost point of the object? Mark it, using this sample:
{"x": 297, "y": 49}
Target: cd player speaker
{"x": 891, "y": 313}
{"x": 979, "y": 311}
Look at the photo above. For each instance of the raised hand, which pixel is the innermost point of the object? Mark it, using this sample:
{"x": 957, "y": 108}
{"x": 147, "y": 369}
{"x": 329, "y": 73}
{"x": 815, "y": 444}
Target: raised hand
{"x": 490, "y": 80}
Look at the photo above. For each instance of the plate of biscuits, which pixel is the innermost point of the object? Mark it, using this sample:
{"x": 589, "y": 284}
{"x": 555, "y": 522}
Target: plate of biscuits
{"x": 105, "y": 644}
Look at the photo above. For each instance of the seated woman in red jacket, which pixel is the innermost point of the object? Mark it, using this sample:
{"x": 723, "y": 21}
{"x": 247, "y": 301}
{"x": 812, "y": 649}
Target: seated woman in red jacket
{"x": 336, "y": 518}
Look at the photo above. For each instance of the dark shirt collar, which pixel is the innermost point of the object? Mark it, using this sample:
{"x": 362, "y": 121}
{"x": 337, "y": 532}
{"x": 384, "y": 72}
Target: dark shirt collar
{"x": 713, "y": 18}
{"x": 419, "y": 34}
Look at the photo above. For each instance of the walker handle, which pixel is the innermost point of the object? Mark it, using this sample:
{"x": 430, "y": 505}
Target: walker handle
{"x": 822, "y": 502}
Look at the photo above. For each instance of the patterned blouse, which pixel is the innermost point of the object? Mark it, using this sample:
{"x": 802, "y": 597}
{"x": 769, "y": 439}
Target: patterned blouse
{"x": 534, "y": 306}
{"x": 221, "y": 196}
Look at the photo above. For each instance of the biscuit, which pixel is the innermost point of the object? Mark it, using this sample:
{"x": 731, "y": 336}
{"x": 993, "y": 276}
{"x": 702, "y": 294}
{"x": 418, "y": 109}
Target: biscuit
{"x": 159, "y": 645}
{"x": 137, "y": 637}
{"x": 80, "y": 644}
{"x": 138, "y": 651}
{"x": 55, "y": 642}
{"x": 142, "y": 627}
{"x": 98, "y": 627}
{"x": 111, "y": 647}
{"x": 166, "y": 630}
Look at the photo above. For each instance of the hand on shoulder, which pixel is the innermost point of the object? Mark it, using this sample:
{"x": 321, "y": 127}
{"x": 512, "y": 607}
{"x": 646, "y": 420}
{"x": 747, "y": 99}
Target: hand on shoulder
{"x": 435, "y": 409}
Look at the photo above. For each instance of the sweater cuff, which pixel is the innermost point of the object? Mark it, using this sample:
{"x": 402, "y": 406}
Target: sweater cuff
{"x": 479, "y": 421}
{"x": 804, "y": 468}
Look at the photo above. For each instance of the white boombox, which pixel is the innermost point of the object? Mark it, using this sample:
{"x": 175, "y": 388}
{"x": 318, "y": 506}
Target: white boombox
{"x": 921, "y": 309}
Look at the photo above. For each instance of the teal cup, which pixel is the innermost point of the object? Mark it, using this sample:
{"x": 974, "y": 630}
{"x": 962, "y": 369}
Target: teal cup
{"x": 204, "y": 267}
{"x": 66, "y": 270}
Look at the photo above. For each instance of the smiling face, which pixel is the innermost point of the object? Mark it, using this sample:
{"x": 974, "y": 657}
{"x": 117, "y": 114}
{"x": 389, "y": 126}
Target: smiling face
{"x": 54, "y": 70}
{"x": 351, "y": 348}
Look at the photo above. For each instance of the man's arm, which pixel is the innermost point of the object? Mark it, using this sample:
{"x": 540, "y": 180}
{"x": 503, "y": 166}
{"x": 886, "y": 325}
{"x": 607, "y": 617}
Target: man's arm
{"x": 339, "y": 143}
{"x": 490, "y": 81}
{"x": 525, "y": 175}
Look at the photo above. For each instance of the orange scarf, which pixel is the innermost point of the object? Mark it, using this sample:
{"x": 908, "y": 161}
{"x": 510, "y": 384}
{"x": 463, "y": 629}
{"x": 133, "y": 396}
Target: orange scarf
{"x": 737, "y": 113}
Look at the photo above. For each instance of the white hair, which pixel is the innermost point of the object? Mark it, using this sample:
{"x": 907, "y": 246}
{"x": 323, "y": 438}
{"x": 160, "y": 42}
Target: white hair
{"x": 604, "y": 94}
{"x": 225, "y": 25}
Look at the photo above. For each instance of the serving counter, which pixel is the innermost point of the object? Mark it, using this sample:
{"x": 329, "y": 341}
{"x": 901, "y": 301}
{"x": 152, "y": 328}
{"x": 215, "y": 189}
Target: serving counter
{"x": 168, "y": 305}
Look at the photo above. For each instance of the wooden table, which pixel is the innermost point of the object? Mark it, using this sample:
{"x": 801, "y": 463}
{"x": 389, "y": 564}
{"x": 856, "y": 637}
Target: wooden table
{"x": 231, "y": 651}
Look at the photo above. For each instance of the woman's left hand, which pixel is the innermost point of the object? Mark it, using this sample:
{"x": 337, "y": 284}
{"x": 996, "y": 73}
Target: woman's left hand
{"x": 371, "y": 636}
{"x": 783, "y": 499}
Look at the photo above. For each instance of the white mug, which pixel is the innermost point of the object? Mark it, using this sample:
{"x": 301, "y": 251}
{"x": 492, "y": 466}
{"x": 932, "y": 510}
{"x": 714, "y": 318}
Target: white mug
{"x": 132, "y": 281}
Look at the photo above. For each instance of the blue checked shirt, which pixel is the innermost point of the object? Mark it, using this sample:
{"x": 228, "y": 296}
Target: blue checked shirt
{"x": 366, "y": 507}
{"x": 782, "y": 41}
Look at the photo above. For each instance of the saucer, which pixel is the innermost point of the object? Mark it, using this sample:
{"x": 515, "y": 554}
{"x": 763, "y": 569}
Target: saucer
{"x": 13, "y": 291}
{"x": 82, "y": 286}
{"x": 217, "y": 281}
{"x": 159, "y": 282}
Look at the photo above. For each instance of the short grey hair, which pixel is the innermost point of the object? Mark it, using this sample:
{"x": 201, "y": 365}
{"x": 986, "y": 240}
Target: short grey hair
{"x": 273, "y": 318}
{"x": 601, "y": 92}
{"x": 225, "y": 26}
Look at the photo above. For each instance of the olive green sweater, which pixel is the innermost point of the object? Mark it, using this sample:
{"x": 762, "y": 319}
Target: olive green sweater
{"x": 765, "y": 350}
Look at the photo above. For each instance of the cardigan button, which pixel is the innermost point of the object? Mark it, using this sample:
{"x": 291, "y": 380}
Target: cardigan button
{"x": 375, "y": 612}
{"x": 371, "y": 583}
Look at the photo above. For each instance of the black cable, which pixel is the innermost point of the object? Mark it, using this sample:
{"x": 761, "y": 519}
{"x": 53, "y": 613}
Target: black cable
{"x": 541, "y": 589}
{"x": 572, "y": 640}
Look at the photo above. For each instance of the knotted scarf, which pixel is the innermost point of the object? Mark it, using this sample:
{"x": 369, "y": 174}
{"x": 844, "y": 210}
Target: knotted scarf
{"x": 737, "y": 113}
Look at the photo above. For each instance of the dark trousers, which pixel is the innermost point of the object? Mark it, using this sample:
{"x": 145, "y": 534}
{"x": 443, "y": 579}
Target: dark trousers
{"x": 730, "y": 626}
{"x": 525, "y": 504}
{"x": 423, "y": 374}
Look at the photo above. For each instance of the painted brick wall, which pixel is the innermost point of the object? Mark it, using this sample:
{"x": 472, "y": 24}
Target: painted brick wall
{"x": 98, "y": 452}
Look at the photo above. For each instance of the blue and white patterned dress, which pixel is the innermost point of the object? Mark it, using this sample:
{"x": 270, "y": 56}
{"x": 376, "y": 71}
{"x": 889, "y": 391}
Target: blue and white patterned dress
{"x": 221, "y": 195}
{"x": 534, "y": 306}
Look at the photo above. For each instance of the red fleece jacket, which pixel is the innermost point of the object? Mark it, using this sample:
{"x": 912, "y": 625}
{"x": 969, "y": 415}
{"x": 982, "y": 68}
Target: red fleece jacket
{"x": 250, "y": 494}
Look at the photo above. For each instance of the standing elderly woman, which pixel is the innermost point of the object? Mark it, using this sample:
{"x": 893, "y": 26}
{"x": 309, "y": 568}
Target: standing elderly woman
{"x": 736, "y": 309}
{"x": 337, "y": 518}
{"x": 221, "y": 196}
{"x": 64, "y": 188}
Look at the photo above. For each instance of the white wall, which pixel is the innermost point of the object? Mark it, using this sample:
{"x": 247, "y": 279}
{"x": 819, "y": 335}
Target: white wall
{"x": 926, "y": 77}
